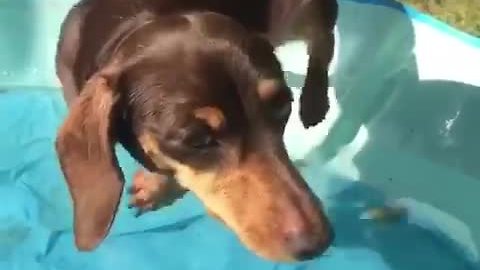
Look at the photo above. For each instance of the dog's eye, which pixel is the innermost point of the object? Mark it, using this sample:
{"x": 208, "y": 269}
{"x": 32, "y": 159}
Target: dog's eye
{"x": 280, "y": 105}
{"x": 283, "y": 112}
{"x": 199, "y": 136}
{"x": 280, "y": 110}
{"x": 202, "y": 141}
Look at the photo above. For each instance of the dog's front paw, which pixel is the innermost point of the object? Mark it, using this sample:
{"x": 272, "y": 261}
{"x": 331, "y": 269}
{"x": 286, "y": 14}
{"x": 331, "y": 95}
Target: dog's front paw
{"x": 147, "y": 191}
{"x": 313, "y": 107}
{"x": 151, "y": 191}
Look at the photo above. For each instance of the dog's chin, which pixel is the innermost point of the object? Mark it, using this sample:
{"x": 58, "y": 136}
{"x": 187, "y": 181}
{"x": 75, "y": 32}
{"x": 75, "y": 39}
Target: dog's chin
{"x": 275, "y": 256}
{"x": 278, "y": 247}
{"x": 278, "y": 253}
{"x": 291, "y": 248}
{"x": 267, "y": 251}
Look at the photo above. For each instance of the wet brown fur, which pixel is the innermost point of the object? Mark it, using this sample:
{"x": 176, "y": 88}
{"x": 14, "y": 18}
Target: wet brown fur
{"x": 192, "y": 89}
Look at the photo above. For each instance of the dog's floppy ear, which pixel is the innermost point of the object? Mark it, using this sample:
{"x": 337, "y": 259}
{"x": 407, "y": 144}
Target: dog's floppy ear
{"x": 85, "y": 147}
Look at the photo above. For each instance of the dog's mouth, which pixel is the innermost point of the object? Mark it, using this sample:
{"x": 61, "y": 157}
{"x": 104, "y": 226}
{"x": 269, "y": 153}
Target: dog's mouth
{"x": 275, "y": 216}
{"x": 274, "y": 226}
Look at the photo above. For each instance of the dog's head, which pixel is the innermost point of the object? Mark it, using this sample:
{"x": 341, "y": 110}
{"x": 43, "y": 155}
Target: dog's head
{"x": 200, "y": 97}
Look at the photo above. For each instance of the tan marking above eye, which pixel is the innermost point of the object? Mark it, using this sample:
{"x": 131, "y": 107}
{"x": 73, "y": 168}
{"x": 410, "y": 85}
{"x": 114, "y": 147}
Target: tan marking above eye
{"x": 213, "y": 116}
{"x": 268, "y": 88}
{"x": 148, "y": 143}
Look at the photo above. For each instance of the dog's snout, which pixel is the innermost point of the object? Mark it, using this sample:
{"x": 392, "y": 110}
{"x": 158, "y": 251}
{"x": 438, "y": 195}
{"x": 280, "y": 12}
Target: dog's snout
{"x": 306, "y": 231}
{"x": 303, "y": 244}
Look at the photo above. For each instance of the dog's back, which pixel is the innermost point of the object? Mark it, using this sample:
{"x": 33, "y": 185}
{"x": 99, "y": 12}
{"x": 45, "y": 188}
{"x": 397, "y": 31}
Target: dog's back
{"x": 93, "y": 27}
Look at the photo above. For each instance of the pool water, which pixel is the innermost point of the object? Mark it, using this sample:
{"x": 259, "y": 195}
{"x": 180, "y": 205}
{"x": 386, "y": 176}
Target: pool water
{"x": 394, "y": 163}
{"x": 35, "y": 232}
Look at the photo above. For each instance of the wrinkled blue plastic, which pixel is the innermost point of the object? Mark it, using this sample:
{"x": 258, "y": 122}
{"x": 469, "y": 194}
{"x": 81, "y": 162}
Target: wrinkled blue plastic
{"x": 385, "y": 142}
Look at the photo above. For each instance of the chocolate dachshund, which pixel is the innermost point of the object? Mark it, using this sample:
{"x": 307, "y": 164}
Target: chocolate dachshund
{"x": 193, "y": 91}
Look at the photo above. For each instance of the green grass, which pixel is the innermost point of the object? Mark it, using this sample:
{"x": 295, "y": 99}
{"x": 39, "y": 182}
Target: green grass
{"x": 461, "y": 14}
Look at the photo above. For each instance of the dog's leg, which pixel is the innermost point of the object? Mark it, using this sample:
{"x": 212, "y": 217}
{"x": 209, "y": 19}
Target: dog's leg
{"x": 318, "y": 22}
{"x": 151, "y": 191}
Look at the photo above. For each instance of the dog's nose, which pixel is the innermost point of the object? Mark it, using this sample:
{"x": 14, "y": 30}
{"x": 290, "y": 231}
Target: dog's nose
{"x": 305, "y": 245}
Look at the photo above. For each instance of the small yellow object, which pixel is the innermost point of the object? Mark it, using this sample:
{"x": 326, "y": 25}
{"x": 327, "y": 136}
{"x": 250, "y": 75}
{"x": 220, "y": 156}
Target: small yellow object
{"x": 388, "y": 214}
